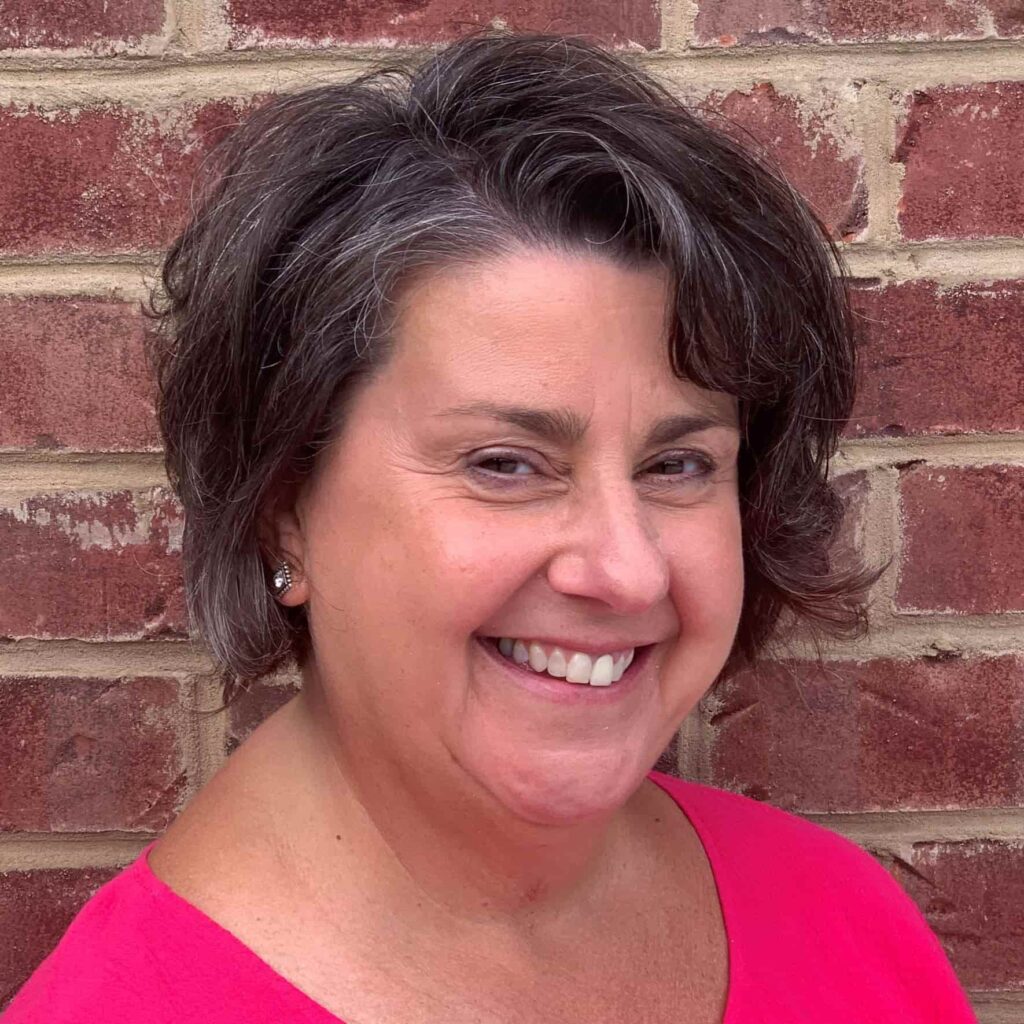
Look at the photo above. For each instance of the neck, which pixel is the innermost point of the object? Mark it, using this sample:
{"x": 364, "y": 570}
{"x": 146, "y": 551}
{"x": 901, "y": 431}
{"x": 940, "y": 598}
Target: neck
{"x": 440, "y": 843}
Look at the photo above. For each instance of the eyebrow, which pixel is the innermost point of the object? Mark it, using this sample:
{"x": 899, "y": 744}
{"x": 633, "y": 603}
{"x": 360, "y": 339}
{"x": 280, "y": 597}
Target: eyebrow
{"x": 567, "y": 428}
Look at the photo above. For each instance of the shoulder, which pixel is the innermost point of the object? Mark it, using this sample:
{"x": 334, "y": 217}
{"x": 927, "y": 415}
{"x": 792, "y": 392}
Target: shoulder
{"x": 74, "y": 982}
{"x": 798, "y": 891}
{"x": 788, "y": 859}
{"x": 120, "y": 961}
{"x": 752, "y": 833}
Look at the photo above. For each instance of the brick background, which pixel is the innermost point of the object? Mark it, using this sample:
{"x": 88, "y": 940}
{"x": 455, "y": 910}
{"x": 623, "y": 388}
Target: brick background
{"x": 320, "y": 22}
{"x": 877, "y": 735}
{"x": 90, "y": 755}
{"x": 958, "y": 145}
{"x": 95, "y": 25}
{"x": 901, "y": 123}
{"x": 264, "y": 698}
{"x": 781, "y": 22}
{"x": 962, "y": 548}
{"x": 940, "y": 360}
{"x": 101, "y": 179}
{"x": 98, "y": 566}
{"x": 73, "y": 375}
{"x": 971, "y": 893}
{"x": 801, "y": 137}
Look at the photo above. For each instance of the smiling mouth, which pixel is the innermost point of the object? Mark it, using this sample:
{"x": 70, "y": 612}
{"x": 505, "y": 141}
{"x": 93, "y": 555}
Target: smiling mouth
{"x": 567, "y": 665}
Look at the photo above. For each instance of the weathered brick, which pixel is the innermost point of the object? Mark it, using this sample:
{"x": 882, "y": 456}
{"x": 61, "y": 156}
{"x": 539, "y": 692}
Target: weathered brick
{"x": 853, "y": 489}
{"x": 95, "y": 25}
{"x": 962, "y": 530}
{"x": 252, "y": 708}
{"x": 755, "y": 23}
{"x": 668, "y": 760}
{"x": 872, "y": 735}
{"x": 36, "y": 907}
{"x": 1007, "y": 17}
{"x": 89, "y": 755}
{"x": 971, "y": 894}
{"x": 806, "y": 142}
{"x": 940, "y": 360}
{"x": 964, "y": 172}
{"x": 390, "y": 22}
{"x": 101, "y": 178}
{"x": 96, "y": 566}
{"x": 73, "y": 375}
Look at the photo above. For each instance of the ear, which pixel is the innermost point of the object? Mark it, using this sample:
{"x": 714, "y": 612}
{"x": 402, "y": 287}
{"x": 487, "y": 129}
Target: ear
{"x": 282, "y": 539}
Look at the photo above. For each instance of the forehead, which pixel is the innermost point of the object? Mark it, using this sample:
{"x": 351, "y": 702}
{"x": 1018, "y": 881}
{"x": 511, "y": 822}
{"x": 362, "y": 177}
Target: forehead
{"x": 539, "y": 325}
{"x": 520, "y": 305}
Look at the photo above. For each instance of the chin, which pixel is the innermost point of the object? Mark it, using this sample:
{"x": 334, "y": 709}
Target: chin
{"x": 563, "y": 788}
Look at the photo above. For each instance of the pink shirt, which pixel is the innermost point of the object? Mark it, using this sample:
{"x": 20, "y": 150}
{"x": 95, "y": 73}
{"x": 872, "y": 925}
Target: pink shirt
{"x": 817, "y": 931}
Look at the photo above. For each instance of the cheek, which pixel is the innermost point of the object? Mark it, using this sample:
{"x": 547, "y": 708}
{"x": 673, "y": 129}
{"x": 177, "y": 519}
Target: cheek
{"x": 706, "y": 567}
{"x": 473, "y": 565}
{"x": 432, "y": 568}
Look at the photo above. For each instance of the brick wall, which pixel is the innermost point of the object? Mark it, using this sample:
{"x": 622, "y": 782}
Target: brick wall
{"x": 901, "y": 122}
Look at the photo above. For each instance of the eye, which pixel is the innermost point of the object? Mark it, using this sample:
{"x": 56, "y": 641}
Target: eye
{"x": 503, "y": 464}
{"x": 506, "y": 467}
{"x": 681, "y": 467}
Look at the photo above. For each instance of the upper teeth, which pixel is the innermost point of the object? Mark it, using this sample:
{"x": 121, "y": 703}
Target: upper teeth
{"x": 572, "y": 666}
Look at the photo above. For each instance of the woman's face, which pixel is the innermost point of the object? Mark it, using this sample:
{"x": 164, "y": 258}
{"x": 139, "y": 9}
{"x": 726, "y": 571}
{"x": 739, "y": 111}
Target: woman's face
{"x": 526, "y": 467}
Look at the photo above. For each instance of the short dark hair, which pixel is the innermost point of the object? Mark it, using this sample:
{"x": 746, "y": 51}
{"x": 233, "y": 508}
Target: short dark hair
{"x": 279, "y": 296}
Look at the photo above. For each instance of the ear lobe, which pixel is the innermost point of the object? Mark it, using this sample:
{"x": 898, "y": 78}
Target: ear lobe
{"x": 281, "y": 540}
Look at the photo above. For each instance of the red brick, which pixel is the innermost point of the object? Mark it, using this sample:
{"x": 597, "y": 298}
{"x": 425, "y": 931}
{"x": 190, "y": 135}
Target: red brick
{"x": 73, "y": 375}
{"x": 89, "y": 755}
{"x": 962, "y": 531}
{"x": 97, "y": 566}
{"x": 940, "y": 360}
{"x": 971, "y": 894}
{"x": 100, "y": 179}
{"x": 964, "y": 174}
{"x": 1008, "y": 17}
{"x": 96, "y": 25}
{"x": 873, "y": 735}
{"x": 754, "y": 23}
{"x": 804, "y": 141}
{"x": 391, "y": 22}
{"x": 252, "y": 708}
{"x": 36, "y": 907}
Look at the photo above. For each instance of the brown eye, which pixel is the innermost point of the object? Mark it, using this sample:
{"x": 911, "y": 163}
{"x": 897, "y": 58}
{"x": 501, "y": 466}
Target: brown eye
{"x": 684, "y": 467}
{"x": 505, "y": 466}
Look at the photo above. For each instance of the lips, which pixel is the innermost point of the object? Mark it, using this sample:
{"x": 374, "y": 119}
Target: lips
{"x": 633, "y": 685}
{"x": 574, "y": 666}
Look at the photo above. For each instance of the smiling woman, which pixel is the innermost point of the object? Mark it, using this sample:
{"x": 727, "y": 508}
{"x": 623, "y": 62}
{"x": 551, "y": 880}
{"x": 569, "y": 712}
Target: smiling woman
{"x": 597, "y": 516}
{"x": 500, "y": 394}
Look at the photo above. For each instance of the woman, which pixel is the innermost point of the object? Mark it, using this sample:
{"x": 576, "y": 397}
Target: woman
{"x": 500, "y": 394}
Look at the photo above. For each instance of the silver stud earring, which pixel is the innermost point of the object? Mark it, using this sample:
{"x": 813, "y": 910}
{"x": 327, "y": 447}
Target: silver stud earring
{"x": 282, "y": 579}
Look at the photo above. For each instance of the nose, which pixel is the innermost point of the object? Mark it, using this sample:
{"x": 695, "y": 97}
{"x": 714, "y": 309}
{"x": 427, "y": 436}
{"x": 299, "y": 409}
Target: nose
{"x": 612, "y": 553}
